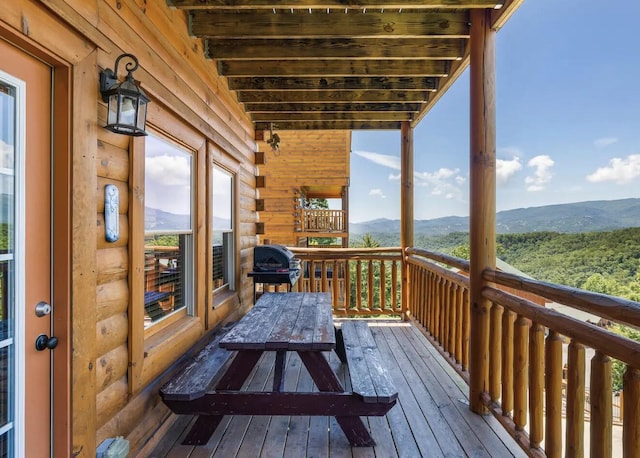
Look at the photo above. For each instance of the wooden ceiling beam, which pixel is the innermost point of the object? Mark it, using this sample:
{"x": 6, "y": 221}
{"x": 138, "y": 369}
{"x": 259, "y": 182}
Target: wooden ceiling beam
{"x": 265, "y": 24}
{"x": 390, "y": 83}
{"x": 328, "y": 96}
{"x": 331, "y": 4}
{"x": 334, "y": 68}
{"x": 332, "y": 107}
{"x": 335, "y": 48}
{"x": 276, "y": 117}
{"x": 332, "y": 125}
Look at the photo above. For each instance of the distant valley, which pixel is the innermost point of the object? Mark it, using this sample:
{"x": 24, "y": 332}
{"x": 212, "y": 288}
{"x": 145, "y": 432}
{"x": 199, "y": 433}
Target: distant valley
{"x": 592, "y": 216}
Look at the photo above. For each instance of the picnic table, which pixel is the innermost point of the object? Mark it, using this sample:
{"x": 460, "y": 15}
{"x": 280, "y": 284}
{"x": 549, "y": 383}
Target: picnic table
{"x": 211, "y": 386}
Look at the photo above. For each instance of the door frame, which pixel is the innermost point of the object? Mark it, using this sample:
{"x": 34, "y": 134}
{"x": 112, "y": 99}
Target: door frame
{"x": 60, "y": 237}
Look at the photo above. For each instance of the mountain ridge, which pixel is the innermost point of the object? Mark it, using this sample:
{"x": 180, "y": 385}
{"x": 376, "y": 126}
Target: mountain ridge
{"x": 588, "y": 216}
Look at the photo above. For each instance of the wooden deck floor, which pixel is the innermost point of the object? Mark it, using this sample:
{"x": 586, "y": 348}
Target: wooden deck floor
{"x": 431, "y": 418}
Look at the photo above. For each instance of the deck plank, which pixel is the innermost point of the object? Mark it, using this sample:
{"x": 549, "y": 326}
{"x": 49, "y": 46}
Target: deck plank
{"x": 419, "y": 430}
{"x": 298, "y": 434}
{"x": 432, "y": 416}
{"x": 232, "y": 442}
{"x": 431, "y": 409}
{"x": 278, "y": 427}
{"x": 489, "y": 431}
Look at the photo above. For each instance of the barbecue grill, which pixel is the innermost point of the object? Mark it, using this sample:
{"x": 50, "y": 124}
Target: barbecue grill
{"x": 274, "y": 265}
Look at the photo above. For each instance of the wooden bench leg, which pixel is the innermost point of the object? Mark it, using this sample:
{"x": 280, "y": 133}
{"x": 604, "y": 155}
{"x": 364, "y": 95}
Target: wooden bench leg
{"x": 340, "y": 351}
{"x": 356, "y": 431}
{"x": 326, "y": 380}
{"x": 202, "y": 429}
{"x": 278, "y": 373}
{"x": 233, "y": 379}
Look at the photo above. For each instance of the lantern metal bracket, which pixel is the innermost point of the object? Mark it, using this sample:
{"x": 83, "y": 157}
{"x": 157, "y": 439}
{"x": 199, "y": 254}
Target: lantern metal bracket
{"x": 109, "y": 78}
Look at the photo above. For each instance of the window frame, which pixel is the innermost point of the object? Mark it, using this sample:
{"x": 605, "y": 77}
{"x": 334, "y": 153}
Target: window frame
{"x": 230, "y": 286}
{"x": 218, "y": 158}
{"x": 151, "y": 350}
{"x": 189, "y": 308}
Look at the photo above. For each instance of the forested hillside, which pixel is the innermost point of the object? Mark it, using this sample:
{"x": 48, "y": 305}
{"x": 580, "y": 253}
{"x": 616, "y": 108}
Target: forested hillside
{"x": 599, "y": 215}
{"x": 606, "y": 262}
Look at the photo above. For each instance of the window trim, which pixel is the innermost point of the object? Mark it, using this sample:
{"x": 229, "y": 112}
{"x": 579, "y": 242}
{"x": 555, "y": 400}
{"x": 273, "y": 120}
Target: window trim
{"x": 229, "y": 164}
{"x": 231, "y": 285}
{"x": 190, "y": 308}
{"x": 147, "y": 358}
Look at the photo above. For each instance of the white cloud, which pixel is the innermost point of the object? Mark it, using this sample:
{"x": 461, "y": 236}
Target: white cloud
{"x": 385, "y": 160}
{"x": 619, "y": 170}
{"x": 506, "y": 169}
{"x": 168, "y": 183}
{"x": 444, "y": 181}
{"x": 542, "y": 174}
{"x": 377, "y": 192}
{"x": 605, "y": 141}
{"x": 6, "y": 155}
{"x": 168, "y": 169}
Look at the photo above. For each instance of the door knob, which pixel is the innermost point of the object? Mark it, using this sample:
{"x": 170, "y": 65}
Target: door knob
{"x": 43, "y": 341}
{"x": 43, "y": 309}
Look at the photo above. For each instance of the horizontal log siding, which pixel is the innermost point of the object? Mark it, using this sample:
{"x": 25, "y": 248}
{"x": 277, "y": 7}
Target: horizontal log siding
{"x": 178, "y": 79}
{"x": 526, "y": 368}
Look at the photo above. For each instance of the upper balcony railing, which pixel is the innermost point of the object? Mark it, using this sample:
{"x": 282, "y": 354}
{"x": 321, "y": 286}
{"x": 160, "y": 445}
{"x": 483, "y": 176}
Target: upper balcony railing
{"x": 315, "y": 220}
{"x": 538, "y": 383}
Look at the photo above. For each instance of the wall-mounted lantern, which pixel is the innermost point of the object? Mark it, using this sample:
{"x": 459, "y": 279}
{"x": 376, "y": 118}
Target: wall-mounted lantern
{"x": 127, "y": 110}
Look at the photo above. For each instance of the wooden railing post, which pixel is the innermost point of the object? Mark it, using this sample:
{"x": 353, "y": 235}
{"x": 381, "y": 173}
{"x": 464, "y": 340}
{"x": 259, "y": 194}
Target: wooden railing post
{"x": 575, "y": 400}
{"x": 601, "y": 399}
{"x": 483, "y": 198}
{"x": 631, "y": 412}
{"x": 406, "y": 206}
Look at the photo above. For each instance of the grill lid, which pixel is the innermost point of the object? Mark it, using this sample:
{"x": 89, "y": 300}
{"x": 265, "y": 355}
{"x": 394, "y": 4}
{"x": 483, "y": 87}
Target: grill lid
{"x": 273, "y": 258}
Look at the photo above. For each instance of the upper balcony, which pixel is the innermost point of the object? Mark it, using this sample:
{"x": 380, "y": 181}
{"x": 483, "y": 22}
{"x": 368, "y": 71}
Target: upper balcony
{"x": 322, "y": 223}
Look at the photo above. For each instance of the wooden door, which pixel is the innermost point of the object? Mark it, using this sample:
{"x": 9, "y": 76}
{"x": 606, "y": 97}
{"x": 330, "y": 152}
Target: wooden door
{"x": 25, "y": 253}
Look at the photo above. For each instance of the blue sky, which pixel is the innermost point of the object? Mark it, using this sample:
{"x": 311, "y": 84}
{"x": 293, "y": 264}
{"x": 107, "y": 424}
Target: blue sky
{"x": 568, "y": 120}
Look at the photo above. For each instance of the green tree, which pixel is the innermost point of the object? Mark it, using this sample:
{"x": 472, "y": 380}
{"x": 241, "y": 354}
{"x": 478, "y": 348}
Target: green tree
{"x": 315, "y": 203}
{"x": 618, "y": 367}
{"x": 368, "y": 241}
{"x": 598, "y": 283}
{"x": 461, "y": 251}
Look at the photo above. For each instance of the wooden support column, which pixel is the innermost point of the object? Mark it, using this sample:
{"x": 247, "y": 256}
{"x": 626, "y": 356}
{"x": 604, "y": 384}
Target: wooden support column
{"x": 406, "y": 204}
{"x": 345, "y": 208}
{"x": 482, "y": 227}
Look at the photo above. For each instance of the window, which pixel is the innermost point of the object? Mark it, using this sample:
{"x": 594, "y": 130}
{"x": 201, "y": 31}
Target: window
{"x": 223, "y": 230}
{"x": 168, "y": 229}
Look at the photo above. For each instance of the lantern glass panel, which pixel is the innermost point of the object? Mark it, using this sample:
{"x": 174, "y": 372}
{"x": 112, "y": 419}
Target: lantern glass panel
{"x": 112, "y": 116}
{"x": 142, "y": 115}
{"x": 128, "y": 111}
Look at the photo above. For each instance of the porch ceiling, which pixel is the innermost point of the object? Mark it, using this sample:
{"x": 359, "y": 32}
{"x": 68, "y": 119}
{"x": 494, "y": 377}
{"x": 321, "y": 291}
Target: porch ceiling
{"x": 338, "y": 64}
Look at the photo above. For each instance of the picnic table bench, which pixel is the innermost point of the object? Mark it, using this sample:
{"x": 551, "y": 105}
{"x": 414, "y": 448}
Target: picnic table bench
{"x": 211, "y": 386}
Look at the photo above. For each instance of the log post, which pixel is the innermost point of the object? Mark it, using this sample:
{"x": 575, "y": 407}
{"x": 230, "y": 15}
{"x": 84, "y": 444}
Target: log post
{"x": 482, "y": 231}
{"x": 406, "y": 205}
{"x": 631, "y": 412}
{"x": 575, "y": 400}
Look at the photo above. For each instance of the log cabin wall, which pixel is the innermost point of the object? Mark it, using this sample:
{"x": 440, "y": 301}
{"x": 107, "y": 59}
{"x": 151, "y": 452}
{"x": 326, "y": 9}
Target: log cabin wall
{"x": 117, "y": 366}
{"x": 318, "y": 159}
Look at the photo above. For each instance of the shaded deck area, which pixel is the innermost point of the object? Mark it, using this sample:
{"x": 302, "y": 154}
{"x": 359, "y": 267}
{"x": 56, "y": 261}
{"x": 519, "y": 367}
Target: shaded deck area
{"x": 431, "y": 418}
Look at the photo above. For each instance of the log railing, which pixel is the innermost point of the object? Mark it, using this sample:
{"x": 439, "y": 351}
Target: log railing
{"x": 363, "y": 281}
{"x": 527, "y": 366}
{"x": 315, "y": 220}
